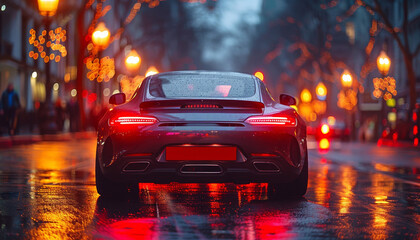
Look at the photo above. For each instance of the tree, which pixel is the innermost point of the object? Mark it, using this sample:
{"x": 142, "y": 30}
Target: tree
{"x": 300, "y": 44}
{"x": 400, "y": 33}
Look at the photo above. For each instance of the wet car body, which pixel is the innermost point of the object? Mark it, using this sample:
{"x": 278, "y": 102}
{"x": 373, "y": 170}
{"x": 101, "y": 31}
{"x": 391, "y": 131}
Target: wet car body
{"x": 201, "y": 139}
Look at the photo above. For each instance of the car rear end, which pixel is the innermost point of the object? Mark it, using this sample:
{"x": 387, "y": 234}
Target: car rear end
{"x": 203, "y": 128}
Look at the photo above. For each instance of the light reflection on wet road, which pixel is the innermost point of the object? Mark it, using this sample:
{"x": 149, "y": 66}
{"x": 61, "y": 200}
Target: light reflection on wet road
{"x": 47, "y": 191}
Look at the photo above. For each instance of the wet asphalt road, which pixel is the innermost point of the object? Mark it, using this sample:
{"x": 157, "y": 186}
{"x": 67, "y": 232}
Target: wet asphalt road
{"x": 356, "y": 191}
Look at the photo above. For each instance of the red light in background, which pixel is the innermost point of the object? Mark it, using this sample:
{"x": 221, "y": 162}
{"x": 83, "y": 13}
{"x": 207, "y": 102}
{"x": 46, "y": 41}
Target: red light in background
{"x": 385, "y": 133}
{"x": 416, "y": 142}
{"x": 92, "y": 97}
{"x": 325, "y": 129}
{"x": 85, "y": 93}
{"x": 395, "y": 137}
{"x": 415, "y": 130}
{"x": 324, "y": 144}
{"x": 414, "y": 116}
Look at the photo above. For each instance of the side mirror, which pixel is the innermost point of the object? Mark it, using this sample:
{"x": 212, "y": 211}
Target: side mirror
{"x": 287, "y": 100}
{"x": 117, "y": 99}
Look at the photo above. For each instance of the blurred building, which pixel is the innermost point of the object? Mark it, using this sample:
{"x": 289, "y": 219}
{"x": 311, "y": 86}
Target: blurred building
{"x": 17, "y": 19}
{"x": 392, "y": 117}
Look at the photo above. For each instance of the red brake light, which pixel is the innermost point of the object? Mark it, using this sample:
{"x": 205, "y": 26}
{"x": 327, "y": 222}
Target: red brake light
{"x": 122, "y": 119}
{"x": 324, "y": 144}
{"x": 270, "y": 120}
{"x": 325, "y": 129}
{"x": 201, "y": 106}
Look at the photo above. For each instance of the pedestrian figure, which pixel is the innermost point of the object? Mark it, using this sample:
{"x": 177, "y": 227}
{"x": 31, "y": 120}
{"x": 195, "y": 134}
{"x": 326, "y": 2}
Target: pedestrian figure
{"x": 60, "y": 114}
{"x": 9, "y": 107}
{"x": 74, "y": 113}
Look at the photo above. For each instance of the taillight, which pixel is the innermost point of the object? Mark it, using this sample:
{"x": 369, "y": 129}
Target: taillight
{"x": 122, "y": 119}
{"x": 325, "y": 129}
{"x": 287, "y": 121}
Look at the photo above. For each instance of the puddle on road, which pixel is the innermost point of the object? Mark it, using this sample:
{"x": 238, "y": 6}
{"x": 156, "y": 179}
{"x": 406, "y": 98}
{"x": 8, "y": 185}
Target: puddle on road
{"x": 204, "y": 211}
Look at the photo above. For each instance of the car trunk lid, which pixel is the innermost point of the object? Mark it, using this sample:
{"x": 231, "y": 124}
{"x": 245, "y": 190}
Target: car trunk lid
{"x": 201, "y": 110}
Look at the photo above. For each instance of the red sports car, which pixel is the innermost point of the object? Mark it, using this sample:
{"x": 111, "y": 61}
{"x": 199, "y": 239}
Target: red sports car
{"x": 199, "y": 126}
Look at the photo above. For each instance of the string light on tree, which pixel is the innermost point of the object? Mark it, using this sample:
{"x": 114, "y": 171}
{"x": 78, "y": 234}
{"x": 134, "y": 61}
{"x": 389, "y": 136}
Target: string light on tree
{"x": 384, "y": 87}
{"x": 102, "y": 70}
{"x": 53, "y": 42}
{"x": 347, "y": 99}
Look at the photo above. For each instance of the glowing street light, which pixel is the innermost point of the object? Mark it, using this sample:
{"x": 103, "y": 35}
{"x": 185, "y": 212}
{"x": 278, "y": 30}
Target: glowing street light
{"x": 321, "y": 91}
{"x": 133, "y": 61}
{"x": 384, "y": 63}
{"x": 101, "y": 35}
{"x": 47, "y": 7}
{"x": 346, "y": 79}
{"x": 151, "y": 71}
{"x": 259, "y": 75}
{"x": 305, "y": 96}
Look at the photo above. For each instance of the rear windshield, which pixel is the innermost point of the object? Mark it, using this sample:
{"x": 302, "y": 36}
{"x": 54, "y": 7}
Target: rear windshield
{"x": 202, "y": 86}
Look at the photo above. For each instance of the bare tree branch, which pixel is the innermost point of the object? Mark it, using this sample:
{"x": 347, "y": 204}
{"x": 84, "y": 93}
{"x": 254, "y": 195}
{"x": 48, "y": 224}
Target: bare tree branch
{"x": 388, "y": 24}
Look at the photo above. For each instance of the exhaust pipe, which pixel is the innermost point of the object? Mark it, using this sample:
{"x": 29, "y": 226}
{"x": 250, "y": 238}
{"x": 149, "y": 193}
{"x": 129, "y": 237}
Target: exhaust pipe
{"x": 266, "y": 167}
{"x": 139, "y": 166}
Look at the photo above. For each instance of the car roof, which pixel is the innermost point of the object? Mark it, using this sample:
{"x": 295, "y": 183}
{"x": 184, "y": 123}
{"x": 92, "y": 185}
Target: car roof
{"x": 204, "y": 73}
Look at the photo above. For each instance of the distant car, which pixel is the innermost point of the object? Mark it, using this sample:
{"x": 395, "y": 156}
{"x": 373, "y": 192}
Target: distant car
{"x": 198, "y": 126}
{"x": 332, "y": 128}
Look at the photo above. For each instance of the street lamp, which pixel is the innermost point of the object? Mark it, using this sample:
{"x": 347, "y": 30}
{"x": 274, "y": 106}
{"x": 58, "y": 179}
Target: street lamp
{"x": 151, "y": 71}
{"x": 133, "y": 61}
{"x": 321, "y": 91}
{"x": 346, "y": 79}
{"x": 305, "y": 96}
{"x": 100, "y": 38}
{"x": 48, "y": 8}
{"x": 384, "y": 87}
{"x": 384, "y": 63}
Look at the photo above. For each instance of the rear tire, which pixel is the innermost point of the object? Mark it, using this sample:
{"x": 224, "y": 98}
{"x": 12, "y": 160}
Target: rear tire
{"x": 108, "y": 188}
{"x": 297, "y": 188}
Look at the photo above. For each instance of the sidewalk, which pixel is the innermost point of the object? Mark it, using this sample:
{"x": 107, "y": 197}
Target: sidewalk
{"x": 10, "y": 141}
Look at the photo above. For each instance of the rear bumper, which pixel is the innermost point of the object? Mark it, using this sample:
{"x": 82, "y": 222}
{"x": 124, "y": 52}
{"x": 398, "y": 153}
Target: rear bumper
{"x": 285, "y": 159}
{"x": 153, "y": 172}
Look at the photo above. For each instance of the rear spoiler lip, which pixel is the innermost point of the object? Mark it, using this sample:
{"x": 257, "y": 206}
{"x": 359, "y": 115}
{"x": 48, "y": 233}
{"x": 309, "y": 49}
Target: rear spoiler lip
{"x": 223, "y": 102}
